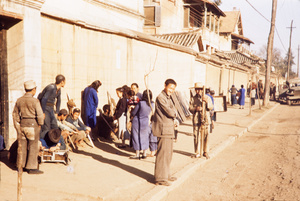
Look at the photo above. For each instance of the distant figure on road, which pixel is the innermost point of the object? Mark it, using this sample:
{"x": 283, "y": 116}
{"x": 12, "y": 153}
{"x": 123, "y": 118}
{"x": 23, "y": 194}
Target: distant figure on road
{"x": 260, "y": 89}
{"x": 242, "y": 97}
{"x": 233, "y": 92}
{"x": 163, "y": 125}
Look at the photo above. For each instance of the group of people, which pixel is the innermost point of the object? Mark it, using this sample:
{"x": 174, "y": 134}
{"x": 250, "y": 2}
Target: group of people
{"x": 145, "y": 124}
{"x": 41, "y": 124}
{"x": 238, "y": 96}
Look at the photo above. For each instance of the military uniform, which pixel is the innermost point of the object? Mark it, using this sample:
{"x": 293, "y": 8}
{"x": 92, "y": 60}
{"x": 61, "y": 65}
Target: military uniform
{"x": 28, "y": 117}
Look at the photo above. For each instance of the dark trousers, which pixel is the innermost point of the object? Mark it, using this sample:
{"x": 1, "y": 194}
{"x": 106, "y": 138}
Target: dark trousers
{"x": 50, "y": 121}
{"x": 30, "y": 149}
{"x": 163, "y": 159}
{"x": 233, "y": 99}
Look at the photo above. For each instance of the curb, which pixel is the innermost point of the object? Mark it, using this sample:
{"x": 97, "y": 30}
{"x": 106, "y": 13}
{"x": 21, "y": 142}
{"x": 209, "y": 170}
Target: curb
{"x": 159, "y": 192}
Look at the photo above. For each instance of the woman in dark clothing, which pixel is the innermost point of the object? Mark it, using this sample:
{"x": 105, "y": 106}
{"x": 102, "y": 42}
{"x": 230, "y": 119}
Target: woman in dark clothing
{"x": 140, "y": 125}
{"x": 90, "y": 104}
{"x": 120, "y": 114}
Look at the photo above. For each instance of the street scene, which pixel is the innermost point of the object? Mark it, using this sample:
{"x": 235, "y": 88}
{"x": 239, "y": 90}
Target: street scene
{"x": 149, "y": 100}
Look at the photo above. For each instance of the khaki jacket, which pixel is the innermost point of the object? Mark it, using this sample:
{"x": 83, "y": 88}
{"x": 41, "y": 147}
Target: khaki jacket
{"x": 197, "y": 101}
{"x": 164, "y": 115}
{"x": 28, "y": 108}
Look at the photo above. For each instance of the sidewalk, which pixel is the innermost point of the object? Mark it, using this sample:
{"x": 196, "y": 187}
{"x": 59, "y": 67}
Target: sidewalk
{"x": 106, "y": 172}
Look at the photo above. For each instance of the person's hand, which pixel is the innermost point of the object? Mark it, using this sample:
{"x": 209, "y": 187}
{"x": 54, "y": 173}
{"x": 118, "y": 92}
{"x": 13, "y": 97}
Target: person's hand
{"x": 198, "y": 108}
{"x": 176, "y": 122}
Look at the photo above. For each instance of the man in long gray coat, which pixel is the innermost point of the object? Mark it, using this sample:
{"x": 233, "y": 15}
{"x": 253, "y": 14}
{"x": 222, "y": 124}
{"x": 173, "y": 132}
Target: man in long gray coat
{"x": 163, "y": 128}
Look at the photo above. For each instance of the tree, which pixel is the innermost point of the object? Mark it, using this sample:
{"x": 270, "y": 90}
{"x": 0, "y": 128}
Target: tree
{"x": 277, "y": 59}
{"x": 218, "y": 2}
{"x": 285, "y": 61}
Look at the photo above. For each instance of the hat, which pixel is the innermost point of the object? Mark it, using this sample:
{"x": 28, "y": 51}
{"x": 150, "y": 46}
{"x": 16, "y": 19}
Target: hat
{"x": 212, "y": 91}
{"x": 28, "y": 85}
{"x": 54, "y": 135}
{"x": 198, "y": 85}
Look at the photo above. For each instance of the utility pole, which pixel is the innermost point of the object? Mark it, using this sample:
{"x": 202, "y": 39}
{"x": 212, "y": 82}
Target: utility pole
{"x": 298, "y": 63}
{"x": 289, "y": 56}
{"x": 269, "y": 54}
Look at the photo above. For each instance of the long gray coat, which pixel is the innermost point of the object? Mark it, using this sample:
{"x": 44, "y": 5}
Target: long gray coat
{"x": 164, "y": 115}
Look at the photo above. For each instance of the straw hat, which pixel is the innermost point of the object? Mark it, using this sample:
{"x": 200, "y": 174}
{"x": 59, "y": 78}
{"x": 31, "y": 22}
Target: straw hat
{"x": 198, "y": 85}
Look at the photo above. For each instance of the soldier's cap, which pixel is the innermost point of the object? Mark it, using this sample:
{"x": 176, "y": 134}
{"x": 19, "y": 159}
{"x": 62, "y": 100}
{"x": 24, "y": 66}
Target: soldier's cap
{"x": 28, "y": 85}
{"x": 198, "y": 85}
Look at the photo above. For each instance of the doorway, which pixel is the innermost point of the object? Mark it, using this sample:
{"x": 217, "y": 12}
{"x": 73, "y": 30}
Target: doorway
{"x": 6, "y": 21}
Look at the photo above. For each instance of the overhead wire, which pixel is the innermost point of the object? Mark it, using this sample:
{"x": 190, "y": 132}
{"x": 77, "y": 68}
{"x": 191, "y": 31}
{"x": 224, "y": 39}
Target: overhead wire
{"x": 269, "y": 22}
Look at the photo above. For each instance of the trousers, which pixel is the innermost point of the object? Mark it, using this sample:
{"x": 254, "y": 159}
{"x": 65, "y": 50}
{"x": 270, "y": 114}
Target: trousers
{"x": 29, "y": 138}
{"x": 163, "y": 159}
{"x": 197, "y": 139}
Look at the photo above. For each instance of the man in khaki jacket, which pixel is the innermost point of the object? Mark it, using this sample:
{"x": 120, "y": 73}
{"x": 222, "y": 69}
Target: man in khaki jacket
{"x": 28, "y": 117}
{"x": 196, "y": 109}
{"x": 163, "y": 128}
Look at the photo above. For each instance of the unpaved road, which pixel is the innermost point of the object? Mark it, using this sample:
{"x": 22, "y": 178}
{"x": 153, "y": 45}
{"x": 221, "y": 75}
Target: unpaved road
{"x": 264, "y": 164}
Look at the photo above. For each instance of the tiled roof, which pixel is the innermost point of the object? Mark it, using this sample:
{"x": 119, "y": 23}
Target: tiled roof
{"x": 240, "y": 58}
{"x": 187, "y": 39}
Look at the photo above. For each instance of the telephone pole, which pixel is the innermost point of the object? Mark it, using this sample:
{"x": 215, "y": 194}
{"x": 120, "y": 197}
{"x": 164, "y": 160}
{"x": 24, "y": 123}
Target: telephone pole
{"x": 269, "y": 54}
{"x": 289, "y": 56}
{"x": 298, "y": 62}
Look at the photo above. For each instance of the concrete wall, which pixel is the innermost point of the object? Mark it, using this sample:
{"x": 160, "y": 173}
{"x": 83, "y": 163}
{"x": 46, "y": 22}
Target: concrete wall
{"x": 84, "y": 55}
{"x": 100, "y": 13}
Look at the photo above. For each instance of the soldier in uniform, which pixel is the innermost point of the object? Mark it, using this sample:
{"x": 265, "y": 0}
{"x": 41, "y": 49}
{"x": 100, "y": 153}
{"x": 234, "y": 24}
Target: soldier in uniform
{"x": 195, "y": 108}
{"x": 28, "y": 118}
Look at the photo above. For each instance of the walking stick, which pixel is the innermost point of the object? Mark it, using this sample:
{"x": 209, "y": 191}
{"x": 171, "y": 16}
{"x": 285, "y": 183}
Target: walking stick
{"x": 203, "y": 111}
{"x": 89, "y": 137}
{"x": 19, "y": 164}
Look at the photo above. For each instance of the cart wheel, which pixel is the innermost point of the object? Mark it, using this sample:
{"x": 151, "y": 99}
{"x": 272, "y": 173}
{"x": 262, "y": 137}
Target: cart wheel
{"x": 289, "y": 102}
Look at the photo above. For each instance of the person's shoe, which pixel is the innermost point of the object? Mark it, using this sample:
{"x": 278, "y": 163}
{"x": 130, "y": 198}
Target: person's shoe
{"x": 163, "y": 183}
{"x": 35, "y": 171}
{"x": 122, "y": 146}
{"x": 172, "y": 178}
{"x": 144, "y": 157}
{"x": 206, "y": 155}
{"x": 196, "y": 156}
{"x": 134, "y": 157}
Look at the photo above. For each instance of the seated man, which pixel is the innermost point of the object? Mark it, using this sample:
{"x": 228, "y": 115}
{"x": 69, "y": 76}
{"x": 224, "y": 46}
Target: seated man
{"x": 74, "y": 119}
{"x": 106, "y": 124}
{"x": 53, "y": 140}
{"x": 68, "y": 128}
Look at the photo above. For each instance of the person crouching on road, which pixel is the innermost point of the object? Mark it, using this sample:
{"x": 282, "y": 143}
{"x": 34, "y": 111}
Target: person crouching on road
{"x": 53, "y": 140}
{"x": 195, "y": 108}
{"x": 28, "y": 118}
{"x": 74, "y": 119}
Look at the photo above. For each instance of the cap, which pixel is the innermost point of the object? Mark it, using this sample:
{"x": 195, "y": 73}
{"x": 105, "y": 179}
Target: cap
{"x": 28, "y": 85}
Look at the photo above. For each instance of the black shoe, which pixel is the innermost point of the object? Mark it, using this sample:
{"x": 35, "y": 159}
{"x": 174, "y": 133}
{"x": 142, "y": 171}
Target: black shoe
{"x": 144, "y": 157}
{"x": 163, "y": 183}
{"x": 35, "y": 171}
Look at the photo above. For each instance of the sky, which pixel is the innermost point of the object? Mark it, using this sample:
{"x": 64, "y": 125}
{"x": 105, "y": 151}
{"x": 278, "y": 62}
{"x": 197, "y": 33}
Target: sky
{"x": 257, "y": 28}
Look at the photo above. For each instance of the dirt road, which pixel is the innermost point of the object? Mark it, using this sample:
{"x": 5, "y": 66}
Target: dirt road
{"x": 264, "y": 164}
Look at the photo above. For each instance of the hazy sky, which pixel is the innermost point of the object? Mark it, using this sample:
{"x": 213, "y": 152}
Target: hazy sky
{"x": 257, "y": 28}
